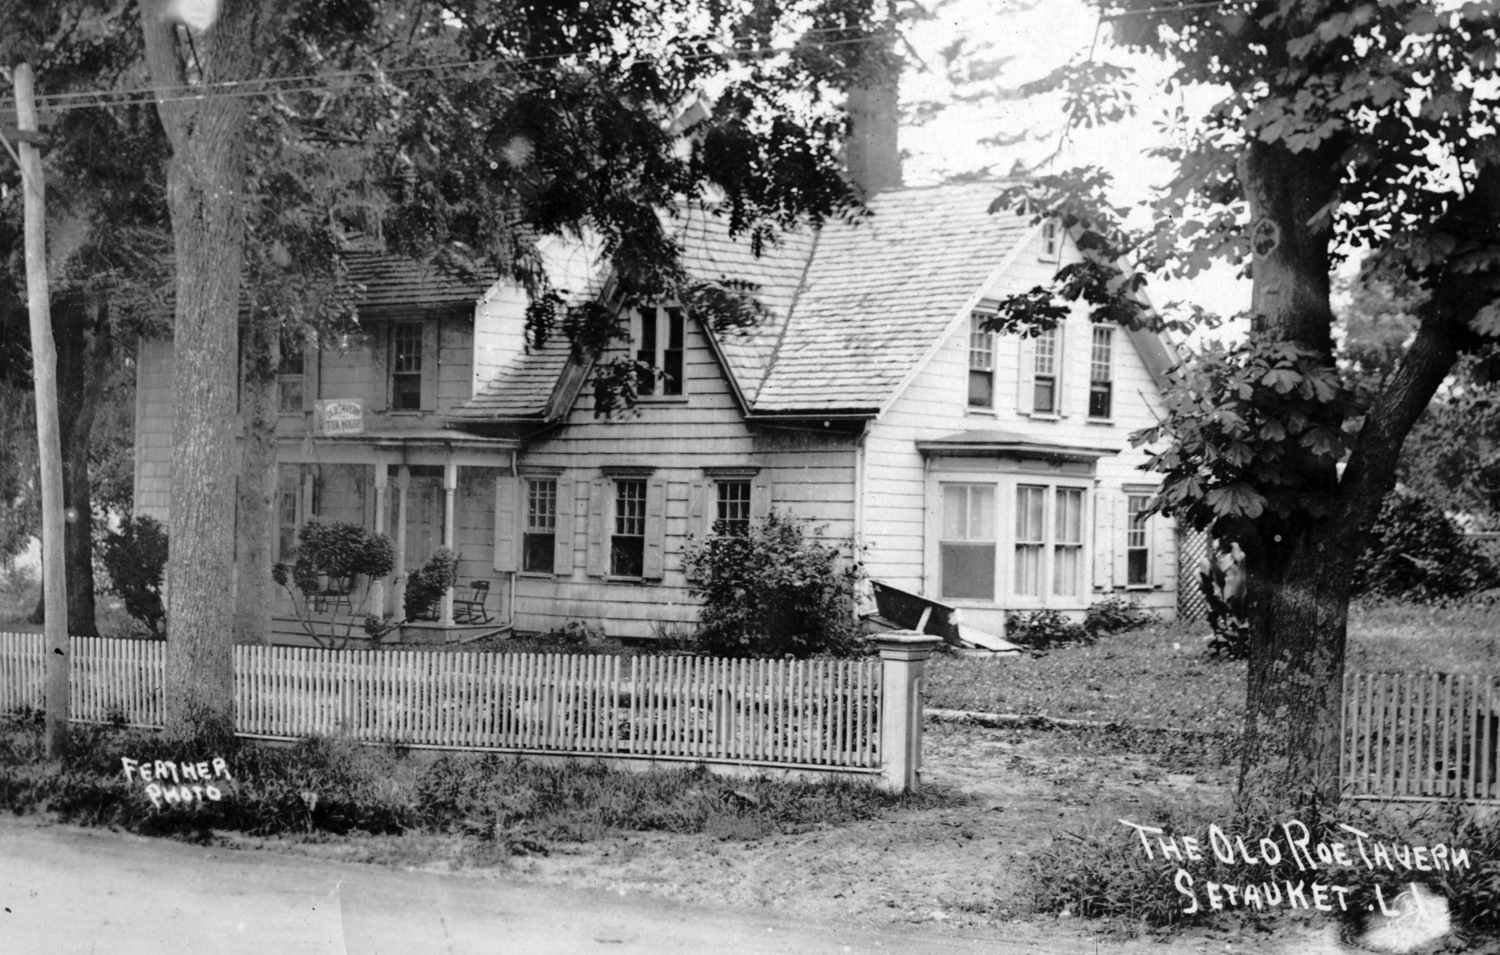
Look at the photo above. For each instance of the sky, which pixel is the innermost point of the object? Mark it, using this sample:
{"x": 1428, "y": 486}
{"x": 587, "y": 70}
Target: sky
{"x": 1038, "y": 36}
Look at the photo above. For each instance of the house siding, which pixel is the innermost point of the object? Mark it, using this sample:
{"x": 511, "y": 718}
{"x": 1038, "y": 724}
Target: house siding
{"x": 809, "y": 477}
{"x": 899, "y": 514}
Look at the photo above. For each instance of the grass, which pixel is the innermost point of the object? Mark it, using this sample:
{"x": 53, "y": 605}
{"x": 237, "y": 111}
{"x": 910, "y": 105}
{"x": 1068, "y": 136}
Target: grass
{"x": 497, "y": 806}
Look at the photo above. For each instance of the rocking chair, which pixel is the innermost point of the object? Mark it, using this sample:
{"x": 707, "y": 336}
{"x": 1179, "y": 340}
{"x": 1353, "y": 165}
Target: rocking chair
{"x": 472, "y": 609}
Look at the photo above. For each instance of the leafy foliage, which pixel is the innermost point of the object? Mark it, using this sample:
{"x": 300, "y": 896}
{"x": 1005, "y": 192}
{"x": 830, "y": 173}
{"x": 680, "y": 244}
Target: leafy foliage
{"x": 773, "y": 592}
{"x": 1042, "y": 630}
{"x": 1417, "y": 554}
{"x": 336, "y": 553}
{"x": 1221, "y": 580}
{"x": 1114, "y": 615}
{"x": 426, "y": 585}
{"x": 136, "y": 558}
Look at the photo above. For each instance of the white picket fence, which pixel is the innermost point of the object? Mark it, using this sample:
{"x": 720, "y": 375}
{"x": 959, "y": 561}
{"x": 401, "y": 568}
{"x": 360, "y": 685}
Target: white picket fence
{"x": 1421, "y": 736}
{"x": 813, "y": 714}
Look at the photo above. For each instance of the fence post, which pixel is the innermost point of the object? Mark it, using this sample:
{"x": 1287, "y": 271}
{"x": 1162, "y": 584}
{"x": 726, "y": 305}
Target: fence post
{"x": 903, "y": 657}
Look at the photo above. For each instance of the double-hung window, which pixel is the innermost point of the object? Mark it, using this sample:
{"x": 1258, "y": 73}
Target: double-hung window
{"x": 966, "y": 549}
{"x": 406, "y": 366}
{"x": 732, "y": 514}
{"x": 1035, "y": 547}
{"x": 1044, "y": 373}
{"x": 1137, "y": 541}
{"x": 627, "y": 543}
{"x": 1101, "y": 377}
{"x": 981, "y": 363}
{"x": 291, "y": 374}
{"x": 658, "y": 340}
{"x": 539, "y": 540}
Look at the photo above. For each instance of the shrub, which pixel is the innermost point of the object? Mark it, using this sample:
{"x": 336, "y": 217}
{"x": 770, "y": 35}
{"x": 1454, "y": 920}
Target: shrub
{"x": 1115, "y": 615}
{"x": 426, "y": 586}
{"x": 773, "y": 592}
{"x": 1221, "y": 580}
{"x": 136, "y": 558}
{"x": 344, "y": 552}
{"x": 1416, "y": 553}
{"x": 1042, "y": 630}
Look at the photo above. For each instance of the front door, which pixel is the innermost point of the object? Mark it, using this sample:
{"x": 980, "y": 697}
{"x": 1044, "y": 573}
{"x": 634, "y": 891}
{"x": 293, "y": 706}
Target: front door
{"x": 424, "y": 515}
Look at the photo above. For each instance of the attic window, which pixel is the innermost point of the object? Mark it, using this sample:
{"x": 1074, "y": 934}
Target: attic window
{"x": 657, "y": 338}
{"x": 1050, "y": 238}
{"x": 981, "y": 363}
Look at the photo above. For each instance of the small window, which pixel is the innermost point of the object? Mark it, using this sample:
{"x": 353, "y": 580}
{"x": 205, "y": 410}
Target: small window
{"x": 981, "y": 363}
{"x": 1050, "y": 233}
{"x": 1137, "y": 543}
{"x": 732, "y": 519}
{"x": 1044, "y": 381}
{"x": 538, "y": 546}
{"x": 967, "y": 546}
{"x": 1101, "y": 378}
{"x": 627, "y": 545}
{"x": 658, "y": 340}
{"x": 1067, "y": 542}
{"x": 406, "y": 366}
{"x": 291, "y": 374}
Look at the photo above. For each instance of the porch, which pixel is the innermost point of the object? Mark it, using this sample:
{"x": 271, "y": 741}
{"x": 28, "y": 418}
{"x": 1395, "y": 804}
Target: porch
{"x": 432, "y": 494}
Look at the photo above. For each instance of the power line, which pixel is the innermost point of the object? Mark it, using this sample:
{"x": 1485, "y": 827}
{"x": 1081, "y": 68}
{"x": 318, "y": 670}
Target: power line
{"x": 342, "y": 81}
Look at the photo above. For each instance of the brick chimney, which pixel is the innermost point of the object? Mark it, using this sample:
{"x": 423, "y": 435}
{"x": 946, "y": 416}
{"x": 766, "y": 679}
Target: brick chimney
{"x": 872, "y": 154}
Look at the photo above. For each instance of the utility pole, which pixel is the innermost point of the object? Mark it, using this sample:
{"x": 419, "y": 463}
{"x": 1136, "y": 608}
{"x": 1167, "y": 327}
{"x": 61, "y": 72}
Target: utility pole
{"x": 48, "y": 431}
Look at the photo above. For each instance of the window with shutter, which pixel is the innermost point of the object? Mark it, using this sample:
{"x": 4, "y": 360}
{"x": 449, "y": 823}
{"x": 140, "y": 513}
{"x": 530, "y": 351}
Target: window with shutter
{"x": 1101, "y": 373}
{"x": 1137, "y": 541}
{"x": 1044, "y": 373}
{"x": 627, "y": 541}
{"x": 539, "y": 539}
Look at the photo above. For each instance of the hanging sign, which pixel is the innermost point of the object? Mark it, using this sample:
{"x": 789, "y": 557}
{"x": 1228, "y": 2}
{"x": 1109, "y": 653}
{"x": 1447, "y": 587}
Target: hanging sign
{"x": 338, "y": 416}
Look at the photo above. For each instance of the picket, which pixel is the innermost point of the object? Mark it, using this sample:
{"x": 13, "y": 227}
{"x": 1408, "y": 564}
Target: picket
{"x": 783, "y": 712}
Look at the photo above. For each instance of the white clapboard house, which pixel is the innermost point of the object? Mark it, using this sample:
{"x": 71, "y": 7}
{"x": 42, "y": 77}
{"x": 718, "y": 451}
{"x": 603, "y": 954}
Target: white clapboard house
{"x": 987, "y": 472}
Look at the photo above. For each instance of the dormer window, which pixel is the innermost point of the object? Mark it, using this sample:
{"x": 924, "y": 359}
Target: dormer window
{"x": 657, "y": 337}
{"x": 981, "y": 363}
{"x": 1050, "y": 238}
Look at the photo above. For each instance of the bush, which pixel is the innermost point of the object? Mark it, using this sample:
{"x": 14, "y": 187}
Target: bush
{"x": 773, "y": 592}
{"x": 1416, "y": 553}
{"x": 336, "y": 551}
{"x": 1114, "y": 615}
{"x": 426, "y": 586}
{"x": 136, "y": 558}
{"x": 1042, "y": 630}
{"x": 1221, "y": 580}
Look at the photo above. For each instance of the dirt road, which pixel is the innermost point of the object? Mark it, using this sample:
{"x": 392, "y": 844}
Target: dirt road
{"x": 66, "y": 890}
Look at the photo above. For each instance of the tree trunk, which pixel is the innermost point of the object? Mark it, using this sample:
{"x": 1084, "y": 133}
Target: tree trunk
{"x": 1296, "y": 575}
{"x": 204, "y": 198}
{"x": 257, "y": 490}
{"x": 81, "y": 368}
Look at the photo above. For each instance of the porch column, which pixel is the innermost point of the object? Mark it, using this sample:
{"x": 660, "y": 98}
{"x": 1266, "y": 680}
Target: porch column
{"x": 450, "y": 491}
{"x": 398, "y": 580}
{"x": 377, "y": 586}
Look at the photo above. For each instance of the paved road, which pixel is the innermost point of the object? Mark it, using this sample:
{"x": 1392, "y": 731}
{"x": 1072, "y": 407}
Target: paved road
{"x": 66, "y": 890}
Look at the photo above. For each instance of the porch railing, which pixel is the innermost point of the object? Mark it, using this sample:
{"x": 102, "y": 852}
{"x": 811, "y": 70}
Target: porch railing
{"x": 852, "y": 716}
{"x": 1421, "y": 736}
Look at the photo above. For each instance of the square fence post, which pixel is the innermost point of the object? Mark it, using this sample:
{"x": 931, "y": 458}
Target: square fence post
{"x": 903, "y": 657}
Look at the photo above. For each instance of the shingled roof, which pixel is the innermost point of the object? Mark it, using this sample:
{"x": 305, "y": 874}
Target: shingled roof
{"x": 384, "y": 281}
{"x": 851, "y": 309}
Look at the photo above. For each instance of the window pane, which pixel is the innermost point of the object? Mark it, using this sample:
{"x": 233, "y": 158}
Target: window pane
{"x": 1043, "y": 395}
{"x": 1137, "y": 543}
{"x": 955, "y": 511}
{"x": 289, "y": 394}
{"x": 645, "y": 353}
{"x": 1046, "y": 353}
{"x": 1066, "y": 564}
{"x": 538, "y": 552}
{"x": 1099, "y": 399}
{"x": 1069, "y": 526}
{"x": 1138, "y": 560}
{"x": 968, "y": 570}
{"x": 733, "y": 514}
{"x": 627, "y": 546}
{"x": 981, "y": 345}
{"x": 981, "y": 389}
{"x": 981, "y": 512}
{"x": 1100, "y": 357}
{"x": 1031, "y": 502}
{"x": 541, "y": 505}
{"x": 1029, "y": 570}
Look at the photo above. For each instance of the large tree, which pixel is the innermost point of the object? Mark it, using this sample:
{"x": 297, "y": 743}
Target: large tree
{"x": 106, "y": 233}
{"x": 1345, "y": 128}
{"x": 468, "y": 132}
